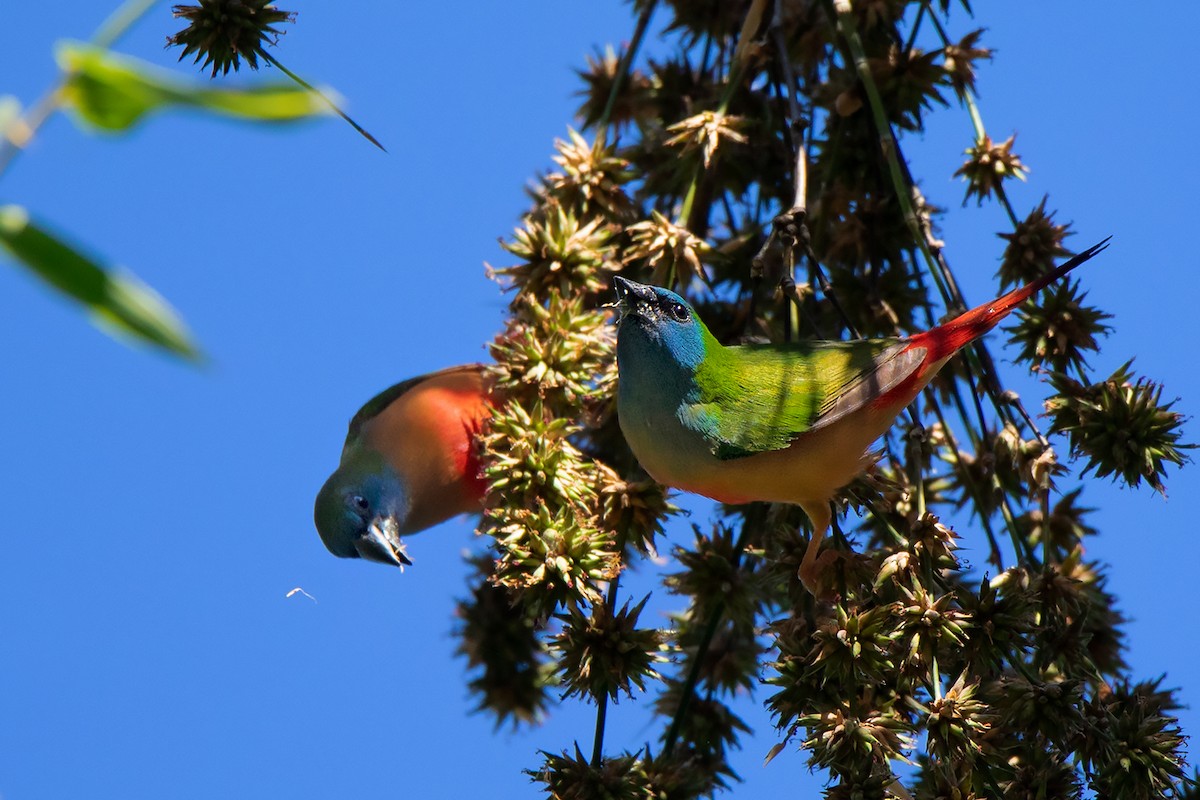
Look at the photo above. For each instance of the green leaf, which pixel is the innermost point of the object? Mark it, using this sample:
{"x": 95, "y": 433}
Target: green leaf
{"x": 114, "y": 92}
{"x": 118, "y": 301}
{"x": 10, "y": 112}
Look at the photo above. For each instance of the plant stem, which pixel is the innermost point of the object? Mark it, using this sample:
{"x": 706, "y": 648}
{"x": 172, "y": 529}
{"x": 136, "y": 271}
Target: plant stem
{"x": 843, "y": 16}
{"x": 916, "y": 28}
{"x": 598, "y": 741}
{"x": 996, "y": 556}
{"x": 635, "y": 43}
{"x": 610, "y": 604}
{"x": 689, "y": 684}
{"x": 120, "y": 21}
{"x": 967, "y": 97}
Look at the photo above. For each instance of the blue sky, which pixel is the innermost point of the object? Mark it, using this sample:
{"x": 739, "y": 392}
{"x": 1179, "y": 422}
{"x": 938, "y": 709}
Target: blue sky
{"x": 156, "y": 514}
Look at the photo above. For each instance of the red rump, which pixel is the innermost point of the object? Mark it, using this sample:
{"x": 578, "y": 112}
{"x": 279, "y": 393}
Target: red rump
{"x": 945, "y": 340}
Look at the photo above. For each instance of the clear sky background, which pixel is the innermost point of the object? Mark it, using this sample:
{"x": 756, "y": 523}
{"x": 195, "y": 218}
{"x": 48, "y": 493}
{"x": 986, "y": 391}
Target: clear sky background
{"x": 155, "y": 515}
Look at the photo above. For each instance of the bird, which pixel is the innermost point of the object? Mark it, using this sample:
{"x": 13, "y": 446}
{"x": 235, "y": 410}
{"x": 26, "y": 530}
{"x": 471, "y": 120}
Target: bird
{"x": 783, "y": 423}
{"x": 409, "y": 462}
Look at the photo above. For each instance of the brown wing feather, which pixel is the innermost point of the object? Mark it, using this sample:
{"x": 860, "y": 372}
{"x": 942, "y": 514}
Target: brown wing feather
{"x": 891, "y": 371}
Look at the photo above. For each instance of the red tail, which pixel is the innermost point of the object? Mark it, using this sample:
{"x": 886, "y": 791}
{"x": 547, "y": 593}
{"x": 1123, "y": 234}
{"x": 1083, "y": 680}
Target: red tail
{"x": 944, "y": 340}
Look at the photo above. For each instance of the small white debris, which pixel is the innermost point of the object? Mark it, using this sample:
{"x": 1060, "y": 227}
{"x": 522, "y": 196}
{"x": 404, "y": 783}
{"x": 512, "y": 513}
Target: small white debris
{"x": 297, "y": 591}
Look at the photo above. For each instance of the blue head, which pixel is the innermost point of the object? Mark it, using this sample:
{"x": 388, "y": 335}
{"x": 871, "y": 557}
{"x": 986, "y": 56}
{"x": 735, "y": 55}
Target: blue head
{"x": 659, "y": 333}
{"x": 361, "y": 510}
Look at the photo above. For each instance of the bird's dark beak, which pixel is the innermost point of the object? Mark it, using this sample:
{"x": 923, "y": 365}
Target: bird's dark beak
{"x": 381, "y": 543}
{"x": 632, "y": 297}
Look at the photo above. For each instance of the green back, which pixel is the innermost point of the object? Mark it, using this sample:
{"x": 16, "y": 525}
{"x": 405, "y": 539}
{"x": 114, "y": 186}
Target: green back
{"x": 756, "y": 398}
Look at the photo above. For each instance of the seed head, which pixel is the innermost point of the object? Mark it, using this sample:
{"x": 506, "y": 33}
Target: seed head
{"x": 987, "y": 167}
{"x": 222, "y": 32}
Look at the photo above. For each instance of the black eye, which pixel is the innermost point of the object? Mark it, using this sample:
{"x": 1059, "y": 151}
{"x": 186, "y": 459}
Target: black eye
{"x": 678, "y": 311}
{"x": 360, "y": 503}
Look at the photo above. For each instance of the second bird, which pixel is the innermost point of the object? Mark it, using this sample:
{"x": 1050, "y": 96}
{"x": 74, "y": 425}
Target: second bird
{"x": 787, "y": 423}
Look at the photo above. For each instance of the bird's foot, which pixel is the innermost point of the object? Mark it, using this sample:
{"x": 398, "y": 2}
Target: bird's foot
{"x": 816, "y": 573}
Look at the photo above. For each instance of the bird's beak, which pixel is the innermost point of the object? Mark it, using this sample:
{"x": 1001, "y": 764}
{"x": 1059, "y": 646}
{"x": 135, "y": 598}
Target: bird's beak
{"x": 381, "y": 543}
{"x": 632, "y": 297}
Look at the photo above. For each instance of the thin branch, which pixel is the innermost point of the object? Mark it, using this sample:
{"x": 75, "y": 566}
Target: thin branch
{"x": 20, "y": 132}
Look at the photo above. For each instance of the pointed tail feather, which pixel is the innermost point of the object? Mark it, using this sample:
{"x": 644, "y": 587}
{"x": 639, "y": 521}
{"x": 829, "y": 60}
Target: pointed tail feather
{"x": 944, "y": 340}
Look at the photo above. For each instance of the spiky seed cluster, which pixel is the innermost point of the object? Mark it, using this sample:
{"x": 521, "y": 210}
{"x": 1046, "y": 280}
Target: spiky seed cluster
{"x": 542, "y": 511}
{"x": 854, "y": 647}
{"x": 1051, "y": 708}
{"x": 705, "y": 132}
{"x": 1003, "y": 618}
{"x": 1039, "y": 773}
{"x": 1120, "y": 425}
{"x": 561, "y": 254}
{"x": 533, "y": 461}
{"x": 558, "y": 352}
{"x": 988, "y": 166}
{"x": 639, "y": 508}
{"x": 671, "y": 252}
{"x": 1080, "y": 635}
{"x": 685, "y": 773}
{"x": 1002, "y": 465}
{"x": 632, "y": 103}
{"x": 710, "y": 574}
{"x": 933, "y": 544}
{"x": 222, "y": 32}
{"x": 501, "y": 641}
{"x": 592, "y": 179}
{"x": 729, "y": 663}
{"x": 707, "y": 732}
{"x": 847, "y": 735}
{"x": 1143, "y": 754}
{"x": 557, "y": 555}
{"x": 957, "y": 723}
{"x": 927, "y": 622}
{"x": 574, "y": 777}
{"x": 1032, "y": 247}
{"x": 959, "y": 61}
{"x": 606, "y": 654}
{"x": 910, "y": 82}
{"x": 886, "y": 499}
{"x": 1059, "y": 329}
{"x": 698, "y": 17}
{"x": 1065, "y": 526}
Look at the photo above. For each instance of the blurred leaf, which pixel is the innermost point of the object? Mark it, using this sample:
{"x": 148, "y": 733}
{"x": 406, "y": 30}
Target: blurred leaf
{"x": 10, "y": 112}
{"x": 119, "y": 302}
{"x": 113, "y": 92}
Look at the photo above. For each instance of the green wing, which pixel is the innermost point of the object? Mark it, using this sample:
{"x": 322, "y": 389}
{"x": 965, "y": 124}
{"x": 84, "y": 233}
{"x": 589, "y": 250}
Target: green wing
{"x": 761, "y": 397}
{"x": 388, "y": 396}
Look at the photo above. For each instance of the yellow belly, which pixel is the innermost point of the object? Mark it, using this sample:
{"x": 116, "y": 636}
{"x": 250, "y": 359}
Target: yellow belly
{"x": 807, "y": 473}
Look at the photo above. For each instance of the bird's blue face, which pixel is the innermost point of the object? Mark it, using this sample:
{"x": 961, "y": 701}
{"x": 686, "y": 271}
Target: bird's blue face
{"x": 658, "y": 323}
{"x": 360, "y": 513}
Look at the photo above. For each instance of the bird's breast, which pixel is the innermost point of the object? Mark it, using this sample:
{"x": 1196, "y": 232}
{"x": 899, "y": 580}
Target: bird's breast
{"x": 808, "y": 472}
{"x": 428, "y": 437}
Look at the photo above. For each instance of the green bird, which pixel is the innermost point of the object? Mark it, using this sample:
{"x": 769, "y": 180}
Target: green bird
{"x": 782, "y": 423}
{"x": 409, "y": 462}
